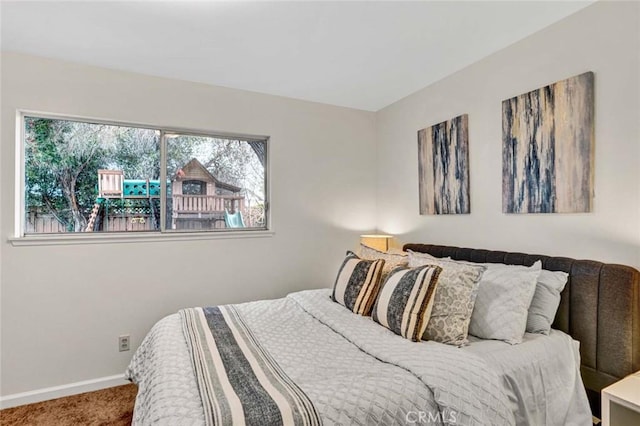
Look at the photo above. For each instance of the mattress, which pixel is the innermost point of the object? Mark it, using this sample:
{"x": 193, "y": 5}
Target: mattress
{"x": 358, "y": 373}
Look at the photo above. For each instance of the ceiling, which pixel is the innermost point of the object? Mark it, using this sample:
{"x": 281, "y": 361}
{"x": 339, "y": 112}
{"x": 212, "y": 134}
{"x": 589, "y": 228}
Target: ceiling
{"x": 363, "y": 55}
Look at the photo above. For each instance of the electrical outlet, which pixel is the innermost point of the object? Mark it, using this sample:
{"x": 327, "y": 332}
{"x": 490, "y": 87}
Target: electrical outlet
{"x": 123, "y": 342}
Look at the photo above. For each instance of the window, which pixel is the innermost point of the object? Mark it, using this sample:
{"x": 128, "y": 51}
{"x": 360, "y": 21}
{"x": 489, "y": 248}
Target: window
{"x": 215, "y": 183}
{"x": 194, "y": 187}
{"x": 92, "y": 177}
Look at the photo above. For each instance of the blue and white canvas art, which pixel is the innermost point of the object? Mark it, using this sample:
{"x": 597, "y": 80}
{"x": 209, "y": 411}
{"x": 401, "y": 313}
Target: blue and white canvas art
{"x": 547, "y": 148}
{"x": 443, "y": 167}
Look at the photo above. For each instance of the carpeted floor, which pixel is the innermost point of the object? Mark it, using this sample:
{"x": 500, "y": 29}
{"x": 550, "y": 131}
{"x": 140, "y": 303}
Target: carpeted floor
{"x": 113, "y": 407}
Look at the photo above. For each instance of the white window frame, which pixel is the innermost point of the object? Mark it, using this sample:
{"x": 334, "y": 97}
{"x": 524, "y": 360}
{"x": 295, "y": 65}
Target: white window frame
{"x": 20, "y": 238}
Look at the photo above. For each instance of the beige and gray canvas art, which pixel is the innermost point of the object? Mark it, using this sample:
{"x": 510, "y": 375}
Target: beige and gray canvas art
{"x": 443, "y": 167}
{"x": 547, "y": 148}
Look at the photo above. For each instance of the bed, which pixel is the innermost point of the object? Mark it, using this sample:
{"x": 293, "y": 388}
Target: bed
{"x": 334, "y": 367}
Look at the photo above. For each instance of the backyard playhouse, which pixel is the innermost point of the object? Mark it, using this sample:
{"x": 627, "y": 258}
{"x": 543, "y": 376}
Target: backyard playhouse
{"x": 198, "y": 200}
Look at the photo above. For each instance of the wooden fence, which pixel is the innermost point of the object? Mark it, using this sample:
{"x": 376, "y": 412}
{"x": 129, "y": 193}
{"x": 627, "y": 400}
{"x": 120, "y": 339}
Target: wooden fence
{"x": 125, "y": 223}
{"x": 44, "y": 223}
{"x": 39, "y": 224}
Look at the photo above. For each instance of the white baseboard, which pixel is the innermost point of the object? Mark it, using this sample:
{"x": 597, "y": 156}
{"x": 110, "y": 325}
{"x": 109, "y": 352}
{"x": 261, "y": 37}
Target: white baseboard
{"x": 59, "y": 391}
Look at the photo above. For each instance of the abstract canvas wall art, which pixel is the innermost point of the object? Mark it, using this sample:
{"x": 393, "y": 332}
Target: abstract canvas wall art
{"x": 443, "y": 167}
{"x": 547, "y": 148}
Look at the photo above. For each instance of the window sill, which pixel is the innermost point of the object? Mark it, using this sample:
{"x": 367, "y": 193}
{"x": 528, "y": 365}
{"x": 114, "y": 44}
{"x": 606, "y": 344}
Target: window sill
{"x": 140, "y": 237}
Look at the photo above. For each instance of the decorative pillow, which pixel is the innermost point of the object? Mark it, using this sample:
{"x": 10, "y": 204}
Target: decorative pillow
{"x": 391, "y": 260}
{"x": 546, "y": 300}
{"x": 453, "y": 301}
{"x": 357, "y": 284}
{"x": 405, "y": 301}
{"x": 502, "y": 305}
{"x": 418, "y": 257}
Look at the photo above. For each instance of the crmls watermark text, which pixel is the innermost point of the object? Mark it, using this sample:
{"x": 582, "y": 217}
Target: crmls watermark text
{"x": 428, "y": 417}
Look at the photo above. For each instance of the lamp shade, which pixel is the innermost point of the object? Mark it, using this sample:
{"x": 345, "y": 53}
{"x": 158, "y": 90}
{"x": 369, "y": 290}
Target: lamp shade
{"x": 378, "y": 242}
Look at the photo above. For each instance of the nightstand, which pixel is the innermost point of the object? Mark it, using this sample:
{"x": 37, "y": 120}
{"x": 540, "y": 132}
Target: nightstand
{"x": 621, "y": 402}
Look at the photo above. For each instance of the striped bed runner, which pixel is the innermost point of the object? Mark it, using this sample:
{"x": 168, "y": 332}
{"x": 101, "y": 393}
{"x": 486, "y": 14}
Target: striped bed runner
{"x": 239, "y": 382}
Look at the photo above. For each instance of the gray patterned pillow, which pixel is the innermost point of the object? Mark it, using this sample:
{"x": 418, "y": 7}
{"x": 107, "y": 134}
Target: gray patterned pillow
{"x": 391, "y": 260}
{"x": 454, "y": 299}
{"x": 502, "y": 305}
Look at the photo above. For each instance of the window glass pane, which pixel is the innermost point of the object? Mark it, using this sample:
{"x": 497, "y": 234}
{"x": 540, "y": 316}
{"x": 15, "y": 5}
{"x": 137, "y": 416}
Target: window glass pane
{"x": 84, "y": 177}
{"x": 215, "y": 183}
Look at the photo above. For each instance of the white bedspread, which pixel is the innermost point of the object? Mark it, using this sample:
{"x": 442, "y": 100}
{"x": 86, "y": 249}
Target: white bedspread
{"x": 358, "y": 373}
{"x": 541, "y": 377}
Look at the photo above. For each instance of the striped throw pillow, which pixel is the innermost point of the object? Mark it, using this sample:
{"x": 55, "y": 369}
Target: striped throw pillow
{"x": 405, "y": 301}
{"x": 357, "y": 283}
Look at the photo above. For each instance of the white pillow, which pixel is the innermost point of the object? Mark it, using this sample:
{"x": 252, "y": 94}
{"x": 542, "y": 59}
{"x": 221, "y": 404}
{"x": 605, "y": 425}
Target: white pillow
{"x": 502, "y": 309}
{"x": 502, "y": 305}
{"x": 546, "y": 300}
{"x": 392, "y": 259}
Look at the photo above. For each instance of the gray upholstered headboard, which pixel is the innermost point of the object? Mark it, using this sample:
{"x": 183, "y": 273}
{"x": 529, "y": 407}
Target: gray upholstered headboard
{"x": 600, "y": 307}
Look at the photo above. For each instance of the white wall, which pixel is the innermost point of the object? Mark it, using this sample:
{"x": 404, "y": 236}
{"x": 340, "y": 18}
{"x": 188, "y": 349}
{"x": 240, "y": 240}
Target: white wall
{"x": 603, "y": 38}
{"x": 62, "y": 309}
